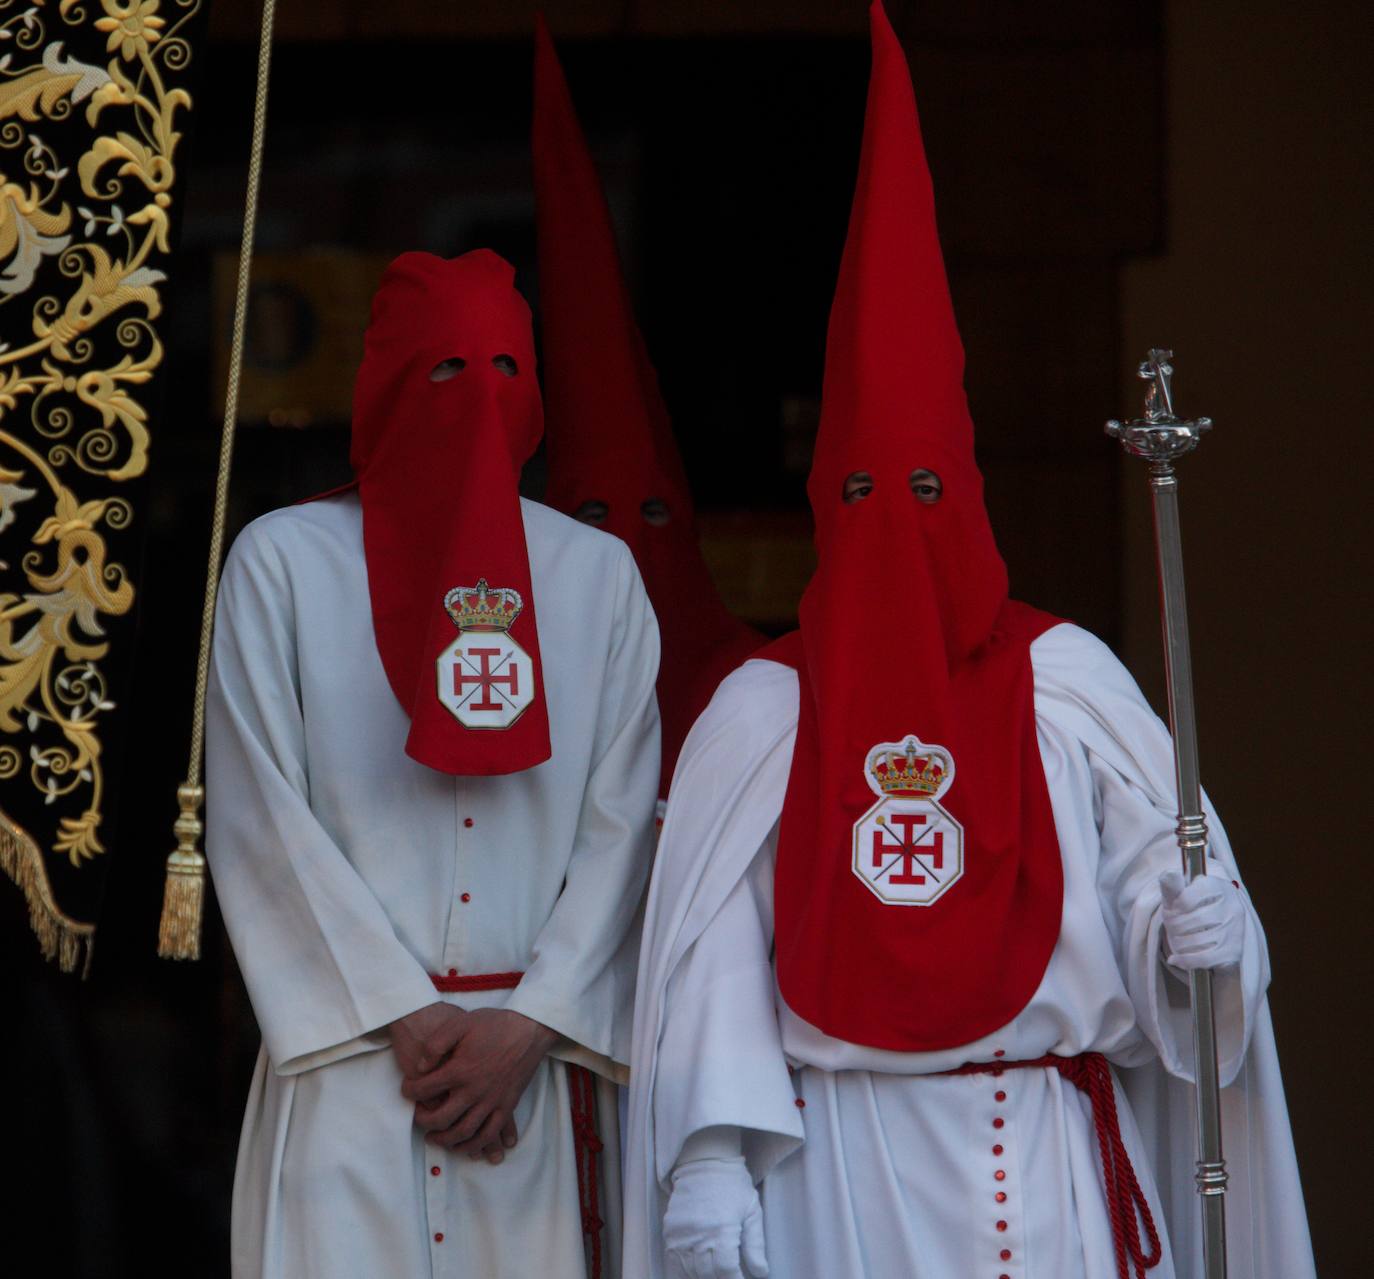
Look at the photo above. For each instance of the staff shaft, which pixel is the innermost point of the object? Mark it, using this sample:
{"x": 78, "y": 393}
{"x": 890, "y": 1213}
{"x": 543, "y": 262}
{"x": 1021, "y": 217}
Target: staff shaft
{"x": 1192, "y": 842}
{"x": 1160, "y": 438}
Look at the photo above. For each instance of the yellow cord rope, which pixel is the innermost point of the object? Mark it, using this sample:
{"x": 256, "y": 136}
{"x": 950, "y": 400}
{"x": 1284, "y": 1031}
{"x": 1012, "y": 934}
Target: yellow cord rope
{"x": 183, "y": 902}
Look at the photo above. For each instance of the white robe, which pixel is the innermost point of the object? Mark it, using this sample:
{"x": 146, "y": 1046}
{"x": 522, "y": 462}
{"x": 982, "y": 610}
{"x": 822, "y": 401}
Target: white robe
{"x": 887, "y": 1170}
{"x": 347, "y": 873}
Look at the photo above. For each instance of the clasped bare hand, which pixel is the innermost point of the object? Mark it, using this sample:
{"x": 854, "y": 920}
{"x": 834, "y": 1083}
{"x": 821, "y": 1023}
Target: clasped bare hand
{"x": 422, "y": 1039}
{"x": 421, "y": 1042}
{"x": 466, "y": 1102}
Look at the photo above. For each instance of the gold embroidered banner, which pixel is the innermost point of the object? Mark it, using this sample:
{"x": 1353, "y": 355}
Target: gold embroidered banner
{"x": 92, "y": 108}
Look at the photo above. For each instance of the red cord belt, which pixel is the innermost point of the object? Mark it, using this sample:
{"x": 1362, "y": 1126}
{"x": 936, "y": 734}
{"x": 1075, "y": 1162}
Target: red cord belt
{"x": 1126, "y": 1203}
{"x": 587, "y": 1144}
{"x": 467, "y": 983}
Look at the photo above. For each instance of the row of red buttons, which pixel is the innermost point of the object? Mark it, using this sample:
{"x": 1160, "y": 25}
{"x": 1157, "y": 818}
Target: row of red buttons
{"x": 436, "y": 1170}
{"x": 453, "y": 972}
{"x": 463, "y": 897}
{"x": 1000, "y": 1173}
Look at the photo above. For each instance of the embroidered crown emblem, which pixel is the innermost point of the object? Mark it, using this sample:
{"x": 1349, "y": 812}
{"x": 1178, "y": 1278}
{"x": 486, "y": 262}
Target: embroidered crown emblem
{"x": 908, "y": 848}
{"x": 482, "y": 607}
{"x": 910, "y": 768}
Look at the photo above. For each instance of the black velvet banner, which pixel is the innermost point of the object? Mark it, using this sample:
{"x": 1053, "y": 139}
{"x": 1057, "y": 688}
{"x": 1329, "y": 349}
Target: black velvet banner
{"x": 93, "y": 111}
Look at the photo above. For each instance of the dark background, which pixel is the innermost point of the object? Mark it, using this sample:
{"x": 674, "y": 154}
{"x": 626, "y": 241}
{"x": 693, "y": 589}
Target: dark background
{"x": 1110, "y": 176}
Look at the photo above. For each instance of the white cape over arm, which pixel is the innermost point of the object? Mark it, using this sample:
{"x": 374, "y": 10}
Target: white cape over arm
{"x": 725, "y": 801}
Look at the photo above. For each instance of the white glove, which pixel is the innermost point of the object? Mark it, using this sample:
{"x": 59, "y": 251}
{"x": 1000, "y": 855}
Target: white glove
{"x": 1204, "y": 921}
{"x": 714, "y": 1224}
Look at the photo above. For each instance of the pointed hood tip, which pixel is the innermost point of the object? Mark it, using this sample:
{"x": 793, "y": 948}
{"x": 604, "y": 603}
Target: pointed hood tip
{"x": 892, "y": 336}
{"x": 601, "y": 390}
{"x": 878, "y": 21}
{"x": 610, "y": 439}
{"x": 546, "y": 63}
{"x": 554, "y": 123}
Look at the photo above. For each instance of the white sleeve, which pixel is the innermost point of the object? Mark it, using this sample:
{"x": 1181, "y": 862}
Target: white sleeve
{"x": 720, "y": 1056}
{"x": 1138, "y": 844}
{"x": 581, "y": 979}
{"x": 324, "y": 967}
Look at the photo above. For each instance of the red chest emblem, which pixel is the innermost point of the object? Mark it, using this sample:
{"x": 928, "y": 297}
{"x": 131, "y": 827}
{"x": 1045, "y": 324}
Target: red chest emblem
{"x": 485, "y": 679}
{"x": 908, "y": 850}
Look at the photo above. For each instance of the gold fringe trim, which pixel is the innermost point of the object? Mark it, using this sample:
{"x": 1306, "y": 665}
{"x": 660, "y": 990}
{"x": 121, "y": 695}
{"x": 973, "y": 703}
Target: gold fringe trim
{"x": 183, "y": 900}
{"x": 61, "y": 938}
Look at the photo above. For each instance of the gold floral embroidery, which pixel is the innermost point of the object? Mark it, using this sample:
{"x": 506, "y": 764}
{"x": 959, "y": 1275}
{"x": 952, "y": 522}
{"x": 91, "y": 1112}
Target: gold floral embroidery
{"x": 72, "y": 424}
{"x": 132, "y": 27}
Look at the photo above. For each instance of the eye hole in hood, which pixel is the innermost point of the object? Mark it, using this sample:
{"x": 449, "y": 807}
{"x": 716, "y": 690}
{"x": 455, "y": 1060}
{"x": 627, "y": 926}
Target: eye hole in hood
{"x": 857, "y": 486}
{"x": 927, "y": 486}
{"x": 446, "y": 369}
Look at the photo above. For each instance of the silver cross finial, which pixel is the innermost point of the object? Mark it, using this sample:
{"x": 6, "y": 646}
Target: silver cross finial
{"x": 1159, "y": 373}
{"x": 1159, "y": 436}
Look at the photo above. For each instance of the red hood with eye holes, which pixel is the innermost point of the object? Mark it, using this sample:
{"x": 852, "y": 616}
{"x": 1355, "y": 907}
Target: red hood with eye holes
{"x": 437, "y": 467}
{"x": 609, "y": 437}
{"x": 918, "y": 884}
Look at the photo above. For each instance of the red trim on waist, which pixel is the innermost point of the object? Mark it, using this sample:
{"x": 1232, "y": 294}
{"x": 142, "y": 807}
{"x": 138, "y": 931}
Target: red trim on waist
{"x": 466, "y": 983}
{"x": 1126, "y": 1204}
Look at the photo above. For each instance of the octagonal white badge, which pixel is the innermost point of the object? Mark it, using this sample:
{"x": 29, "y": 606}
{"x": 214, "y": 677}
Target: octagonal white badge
{"x": 485, "y": 679}
{"x": 908, "y": 849}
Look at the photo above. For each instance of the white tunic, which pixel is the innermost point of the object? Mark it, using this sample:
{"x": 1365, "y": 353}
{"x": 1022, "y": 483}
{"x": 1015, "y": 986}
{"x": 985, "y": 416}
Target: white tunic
{"x": 905, "y": 1172}
{"x": 347, "y": 873}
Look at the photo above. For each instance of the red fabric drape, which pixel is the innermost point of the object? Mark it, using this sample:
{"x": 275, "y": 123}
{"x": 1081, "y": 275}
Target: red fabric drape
{"x": 438, "y": 469}
{"x": 908, "y": 917}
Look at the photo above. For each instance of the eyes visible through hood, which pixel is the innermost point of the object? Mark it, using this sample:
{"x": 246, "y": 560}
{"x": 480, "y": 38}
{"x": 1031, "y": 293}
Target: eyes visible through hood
{"x": 594, "y": 511}
{"x": 453, "y": 366}
{"x": 446, "y": 369}
{"x": 925, "y": 485}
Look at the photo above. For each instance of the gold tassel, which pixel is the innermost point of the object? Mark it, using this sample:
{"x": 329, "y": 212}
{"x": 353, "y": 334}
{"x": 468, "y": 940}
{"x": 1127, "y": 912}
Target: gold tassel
{"x": 183, "y": 901}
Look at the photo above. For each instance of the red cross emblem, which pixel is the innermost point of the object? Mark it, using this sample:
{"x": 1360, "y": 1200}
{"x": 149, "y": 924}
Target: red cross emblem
{"x": 908, "y": 848}
{"x": 909, "y": 851}
{"x": 485, "y": 678}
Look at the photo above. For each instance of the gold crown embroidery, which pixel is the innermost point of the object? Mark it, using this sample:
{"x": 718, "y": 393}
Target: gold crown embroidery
{"x": 482, "y": 607}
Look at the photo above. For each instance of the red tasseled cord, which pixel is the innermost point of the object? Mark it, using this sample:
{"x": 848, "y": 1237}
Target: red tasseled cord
{"x": 587, "y": 1147}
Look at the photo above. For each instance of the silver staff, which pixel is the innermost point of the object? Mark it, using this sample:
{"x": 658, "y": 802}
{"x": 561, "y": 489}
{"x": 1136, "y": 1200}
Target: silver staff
{"x": 1160, "y": 438}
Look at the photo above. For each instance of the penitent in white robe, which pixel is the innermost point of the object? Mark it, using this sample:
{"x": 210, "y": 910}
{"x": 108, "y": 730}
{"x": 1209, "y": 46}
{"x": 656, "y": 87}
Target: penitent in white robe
{"x": 871, "y": 1164}
{"x": 347, "y": 873}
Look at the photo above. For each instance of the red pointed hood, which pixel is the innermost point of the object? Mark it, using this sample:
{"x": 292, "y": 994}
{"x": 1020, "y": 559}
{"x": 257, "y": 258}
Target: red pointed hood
{"x": 438, "y": 468}
{"x": 912, "y": 661}
{"x": 894, "y": 374}
{"x": 609, "y": 437}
